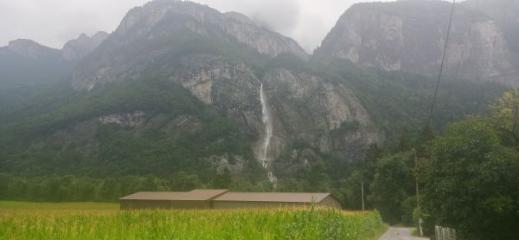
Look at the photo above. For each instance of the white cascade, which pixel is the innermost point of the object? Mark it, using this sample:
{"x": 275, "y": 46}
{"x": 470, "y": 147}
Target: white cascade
{"x": 264, "y": 158}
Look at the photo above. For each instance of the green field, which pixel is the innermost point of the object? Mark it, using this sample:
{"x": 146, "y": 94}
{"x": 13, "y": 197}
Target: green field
{"x": 41, "y": 221}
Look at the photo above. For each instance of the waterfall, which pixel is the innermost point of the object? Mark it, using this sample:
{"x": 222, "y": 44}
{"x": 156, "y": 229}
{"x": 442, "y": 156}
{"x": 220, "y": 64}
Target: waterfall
{"x": 264, "y": 159}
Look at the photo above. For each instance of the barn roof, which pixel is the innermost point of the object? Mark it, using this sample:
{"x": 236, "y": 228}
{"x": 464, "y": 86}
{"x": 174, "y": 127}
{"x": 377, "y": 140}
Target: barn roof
{"x": 272, "y": 197}
{"x": 195, "y": 195}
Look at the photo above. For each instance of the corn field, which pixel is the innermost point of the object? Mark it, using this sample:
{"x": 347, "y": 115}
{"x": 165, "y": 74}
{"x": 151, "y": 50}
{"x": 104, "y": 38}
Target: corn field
{"x": 109, "y": 223}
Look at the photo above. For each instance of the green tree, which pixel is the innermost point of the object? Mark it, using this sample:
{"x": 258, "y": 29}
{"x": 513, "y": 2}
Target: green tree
{"x": 184, "y": 182}
{"x": 223, "y": 180}
{"x": 392, "y": 185}
{"x": 4, "y": 186}
{"x": 505, "y": 117}
{"x": 472, "y": 182}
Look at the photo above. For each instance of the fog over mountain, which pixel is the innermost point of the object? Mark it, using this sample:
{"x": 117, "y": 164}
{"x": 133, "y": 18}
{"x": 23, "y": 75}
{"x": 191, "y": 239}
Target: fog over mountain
{"x": 54, "y": 22}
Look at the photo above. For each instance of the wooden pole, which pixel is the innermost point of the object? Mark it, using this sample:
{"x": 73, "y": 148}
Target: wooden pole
{"x": 362, "y": 193}
{"x": 417, "y": 185}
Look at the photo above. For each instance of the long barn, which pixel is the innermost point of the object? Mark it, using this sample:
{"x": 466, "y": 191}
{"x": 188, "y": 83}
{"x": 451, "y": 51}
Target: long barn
{"x": 223, "y": 199}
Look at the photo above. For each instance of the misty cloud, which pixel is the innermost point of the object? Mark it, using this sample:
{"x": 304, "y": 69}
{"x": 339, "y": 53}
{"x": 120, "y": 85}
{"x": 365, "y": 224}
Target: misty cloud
{"x": 53, "y": 22}
{"x": 281, "y": 16}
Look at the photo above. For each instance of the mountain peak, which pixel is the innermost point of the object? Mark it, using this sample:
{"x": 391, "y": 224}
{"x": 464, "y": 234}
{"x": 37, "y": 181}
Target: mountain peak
{"x": 80, "y": 47}
{"x": 409, "y": 35}
{"x": 30, "y": 49}
{"x": 170, "y": 29}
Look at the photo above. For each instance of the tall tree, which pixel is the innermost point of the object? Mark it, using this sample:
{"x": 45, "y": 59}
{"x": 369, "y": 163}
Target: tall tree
{"x": 472, "y": 182}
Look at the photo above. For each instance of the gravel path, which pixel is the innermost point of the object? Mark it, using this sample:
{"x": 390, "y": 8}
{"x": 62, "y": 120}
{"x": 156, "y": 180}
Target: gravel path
{"x": 397, "y": 233}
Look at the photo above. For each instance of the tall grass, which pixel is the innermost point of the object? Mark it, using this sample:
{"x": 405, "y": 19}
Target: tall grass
{"x": 281, "y": 224}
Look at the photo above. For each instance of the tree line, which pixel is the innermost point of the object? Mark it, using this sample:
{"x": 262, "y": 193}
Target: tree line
{"x": 466, "y": 178}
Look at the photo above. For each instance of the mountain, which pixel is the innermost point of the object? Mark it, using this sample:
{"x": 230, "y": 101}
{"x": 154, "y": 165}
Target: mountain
{"x": 29, "y": 69}
{"x": 160, "y": 29}
{"x": 192, "y": 78}
{"x": 504, "y": 13}
{"x": 180, "y": 89}
{"x": 31, "y": 50}
{"x": 25, "y": 68}
{"x": 79, "y": 48}
{"x": 409, "y": 36}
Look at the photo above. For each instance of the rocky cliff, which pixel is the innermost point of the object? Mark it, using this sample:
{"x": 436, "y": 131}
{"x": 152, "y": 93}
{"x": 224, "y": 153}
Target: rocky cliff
{"x": 410, "y": 35}
{"x": 225, "y": 61}
{"x": 163, "y": 28}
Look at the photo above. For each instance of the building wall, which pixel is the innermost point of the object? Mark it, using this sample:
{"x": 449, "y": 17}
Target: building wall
{"x": 166, "y": 204}
{"x": 327, "y": 202}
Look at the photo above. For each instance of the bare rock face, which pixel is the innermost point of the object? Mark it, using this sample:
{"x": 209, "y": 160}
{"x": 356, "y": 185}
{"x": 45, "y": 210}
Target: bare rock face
{"x": 317, "y": 112}
{"x": 132, "y": 120}
{"x": 322, "y": 113}
{"x": 264, "y": 41}
{"x": 160, "y": 30}
{"x": 505, "y": 14}
{"x": 77, "y": 49}
{"x": 410, "y": 35}
{"x": 229, "y": 86}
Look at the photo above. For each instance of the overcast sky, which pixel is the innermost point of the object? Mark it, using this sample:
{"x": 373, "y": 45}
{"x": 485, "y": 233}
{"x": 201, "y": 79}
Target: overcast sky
{"x": 53, "y": 22}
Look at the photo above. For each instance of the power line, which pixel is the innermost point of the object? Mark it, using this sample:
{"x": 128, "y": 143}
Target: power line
{"x": 433, "y": 106}
{"x": 445, "y": 49}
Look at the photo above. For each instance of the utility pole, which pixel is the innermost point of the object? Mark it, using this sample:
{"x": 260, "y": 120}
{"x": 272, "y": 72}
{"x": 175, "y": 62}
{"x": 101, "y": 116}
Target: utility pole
{"x": 417, "y": 185}
{"x": 416, "y": 179}
{"x": 362, "y": 172}
{"x": 362, "y": 193}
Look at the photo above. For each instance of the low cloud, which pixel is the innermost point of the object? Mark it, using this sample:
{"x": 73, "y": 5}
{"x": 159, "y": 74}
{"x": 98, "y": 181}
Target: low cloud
{"x": 53, "y": 22}
{"x": 306, "y": 21}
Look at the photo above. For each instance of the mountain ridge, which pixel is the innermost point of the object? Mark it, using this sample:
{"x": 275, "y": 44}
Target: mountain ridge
{"x": 409, "y": 35}
{"x": 182, "y": 88}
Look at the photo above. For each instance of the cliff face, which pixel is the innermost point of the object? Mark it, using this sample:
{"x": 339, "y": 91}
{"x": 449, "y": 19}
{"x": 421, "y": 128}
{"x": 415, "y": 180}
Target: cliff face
{"x": 505, "y": 14}
{"x": 225, "y": 61}
{"x": 161, "y": 29}
{"x": 409, "y": 36}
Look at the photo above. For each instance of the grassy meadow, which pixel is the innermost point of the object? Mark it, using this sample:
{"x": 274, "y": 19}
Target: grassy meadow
{"x": 42, "y": 221}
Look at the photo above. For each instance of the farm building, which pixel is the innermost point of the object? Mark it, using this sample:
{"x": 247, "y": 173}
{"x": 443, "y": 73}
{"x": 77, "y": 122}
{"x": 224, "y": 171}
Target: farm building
{"x": 196, "y": 199}
{"x": 274, "y": 200}
{"x": 223, "y": 199}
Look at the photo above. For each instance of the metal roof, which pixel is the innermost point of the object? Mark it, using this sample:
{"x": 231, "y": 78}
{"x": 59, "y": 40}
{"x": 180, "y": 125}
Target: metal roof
{"x": 273, "y": 197}
{"x": 195, "y": 195}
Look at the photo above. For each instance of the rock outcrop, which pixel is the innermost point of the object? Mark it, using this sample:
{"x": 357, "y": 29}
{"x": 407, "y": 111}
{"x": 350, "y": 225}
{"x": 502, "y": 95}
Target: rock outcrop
{"x": 409, "y": 36}
{"x": 131, "y": 120}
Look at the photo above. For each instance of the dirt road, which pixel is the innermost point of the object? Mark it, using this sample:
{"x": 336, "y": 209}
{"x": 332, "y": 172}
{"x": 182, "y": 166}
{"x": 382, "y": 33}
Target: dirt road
{"x": 397, "y": 233}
